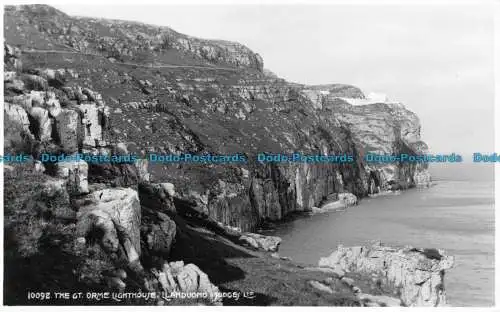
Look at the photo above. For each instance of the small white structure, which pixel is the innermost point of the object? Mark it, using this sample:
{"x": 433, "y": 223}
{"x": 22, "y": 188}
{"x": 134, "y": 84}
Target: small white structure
{"x": 371, "y": 98}
{"x": 378, "y": 97}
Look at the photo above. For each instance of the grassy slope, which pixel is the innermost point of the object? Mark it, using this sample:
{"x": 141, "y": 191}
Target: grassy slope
{"x": 39, "y": 230}
{"x": 235, "y": 268}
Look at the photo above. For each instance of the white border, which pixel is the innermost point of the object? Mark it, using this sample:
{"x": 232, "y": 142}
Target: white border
{"x": 496, "y": 8}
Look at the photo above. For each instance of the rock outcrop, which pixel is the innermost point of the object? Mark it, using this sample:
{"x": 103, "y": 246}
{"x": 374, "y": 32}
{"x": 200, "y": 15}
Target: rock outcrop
{"x": 259, "y": 241}
{"x": 117, "y": 213}
{"x": 418, "y": 274}
{"x": 336, "y": 202}
{"x": 130, "y": 42}
{"x": 76, "y": 128}
{"x": 175, "y": 277}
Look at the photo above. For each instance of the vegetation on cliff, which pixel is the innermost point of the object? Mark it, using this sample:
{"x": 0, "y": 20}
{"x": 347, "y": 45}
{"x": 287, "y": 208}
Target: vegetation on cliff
{"x": 75, "y": 85}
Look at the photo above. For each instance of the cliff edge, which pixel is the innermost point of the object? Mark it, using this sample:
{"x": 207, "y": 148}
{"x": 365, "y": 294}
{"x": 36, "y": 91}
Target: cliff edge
{"x": 100, "y": 87}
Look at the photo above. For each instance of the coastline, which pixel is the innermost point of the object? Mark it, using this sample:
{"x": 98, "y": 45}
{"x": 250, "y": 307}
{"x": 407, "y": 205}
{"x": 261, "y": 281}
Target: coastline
{"x": 168, "y": 226}
{"x": 390, "y": 220}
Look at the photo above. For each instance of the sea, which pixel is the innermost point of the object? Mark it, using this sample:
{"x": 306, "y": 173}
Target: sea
{"x": 455, "y": 214}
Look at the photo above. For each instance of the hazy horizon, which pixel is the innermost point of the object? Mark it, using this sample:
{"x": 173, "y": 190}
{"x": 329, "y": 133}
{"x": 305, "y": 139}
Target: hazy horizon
{"x": 437, "y": 60}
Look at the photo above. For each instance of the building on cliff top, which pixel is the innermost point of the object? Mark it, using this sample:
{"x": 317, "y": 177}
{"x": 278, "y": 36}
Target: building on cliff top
{"x": 371, "y": 98}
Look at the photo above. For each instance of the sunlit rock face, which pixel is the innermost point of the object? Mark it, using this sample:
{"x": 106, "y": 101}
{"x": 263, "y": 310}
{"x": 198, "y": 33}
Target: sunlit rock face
{"x": 378, "y": 126}
{"x": 387, "y": 129}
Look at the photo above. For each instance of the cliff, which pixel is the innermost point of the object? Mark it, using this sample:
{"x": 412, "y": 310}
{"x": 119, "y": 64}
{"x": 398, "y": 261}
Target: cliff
{"x": 114, "y": 87}
{"x": 205, "y": 109}
{"x": 120, "y": 40}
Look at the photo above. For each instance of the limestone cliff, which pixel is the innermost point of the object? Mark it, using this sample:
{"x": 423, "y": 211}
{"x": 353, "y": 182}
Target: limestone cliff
{"x": 380, "y": 128}
{"x": 81, "y": 85}
{"x": 90, "y": 85}
{"x": 120, "y": 40}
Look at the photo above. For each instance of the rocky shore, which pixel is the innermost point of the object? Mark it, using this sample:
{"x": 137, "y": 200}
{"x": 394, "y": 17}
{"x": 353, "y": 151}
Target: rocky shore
{"x": 417, "y": 275}
{"x": 177, "y": 227}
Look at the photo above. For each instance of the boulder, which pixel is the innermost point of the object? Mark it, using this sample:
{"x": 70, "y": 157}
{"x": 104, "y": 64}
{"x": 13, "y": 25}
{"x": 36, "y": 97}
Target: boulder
{"x": 75, "y": 173}
{"x": 258, "y": 241}
{"x": 343, "y": 201}
{"x": 178, "y": 277}
{"x": 116, "y": 210}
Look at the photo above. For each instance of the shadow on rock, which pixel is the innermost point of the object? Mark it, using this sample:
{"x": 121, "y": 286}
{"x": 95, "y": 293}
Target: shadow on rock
{"x": 208, "y": 251}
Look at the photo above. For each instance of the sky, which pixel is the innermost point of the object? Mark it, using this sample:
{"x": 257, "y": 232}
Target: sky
{"x": 438, "y": 60}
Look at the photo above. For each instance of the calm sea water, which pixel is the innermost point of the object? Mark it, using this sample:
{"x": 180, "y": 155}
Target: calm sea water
{"x": 457, "y": 214}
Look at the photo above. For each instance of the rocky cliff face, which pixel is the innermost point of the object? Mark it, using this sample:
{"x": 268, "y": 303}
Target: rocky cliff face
{"x": 120, "y": 40}
{"x": 379, "y": 128}
{"x": 101, "y": 86}
{"x": 113, "y": 87}
{"x": 81, "y": 85}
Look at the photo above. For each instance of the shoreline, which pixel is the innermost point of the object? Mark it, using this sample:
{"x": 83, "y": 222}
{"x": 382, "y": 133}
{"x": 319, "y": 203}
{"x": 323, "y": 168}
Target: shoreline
{"x": 442, "y": 200}
{"x": 356, "y": 259}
